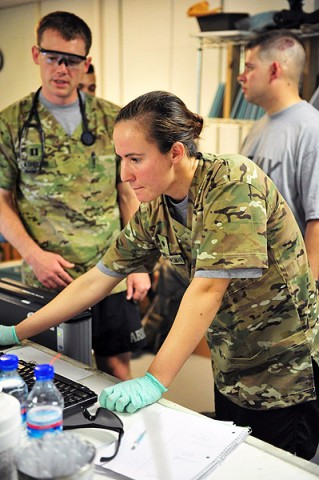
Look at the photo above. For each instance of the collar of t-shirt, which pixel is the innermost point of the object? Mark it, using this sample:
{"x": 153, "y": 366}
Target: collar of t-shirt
{"x": 68, "y": 116}
{"x": 178, "y": 210}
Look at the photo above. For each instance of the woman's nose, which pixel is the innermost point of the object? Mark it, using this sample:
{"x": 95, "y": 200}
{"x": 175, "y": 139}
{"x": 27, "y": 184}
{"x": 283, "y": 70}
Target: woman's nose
{"x": 126, "y": 174}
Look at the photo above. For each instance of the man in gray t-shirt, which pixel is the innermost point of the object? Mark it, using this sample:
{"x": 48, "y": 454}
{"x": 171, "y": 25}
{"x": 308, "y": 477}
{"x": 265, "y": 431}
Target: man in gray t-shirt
{"x": 285, "y": 142}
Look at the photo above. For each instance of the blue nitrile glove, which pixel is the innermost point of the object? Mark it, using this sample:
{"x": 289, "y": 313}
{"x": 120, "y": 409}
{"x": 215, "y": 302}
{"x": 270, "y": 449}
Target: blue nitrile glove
{"x": 132, "y": 395}
{"x": 8, "y": 335}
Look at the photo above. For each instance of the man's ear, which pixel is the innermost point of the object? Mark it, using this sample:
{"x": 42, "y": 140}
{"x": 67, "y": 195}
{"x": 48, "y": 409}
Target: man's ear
{"x": 177, "y": 152}
{"x": 87, "y": 64}
{"x": 35, "y": 54}
{"x": 275, "y": 70}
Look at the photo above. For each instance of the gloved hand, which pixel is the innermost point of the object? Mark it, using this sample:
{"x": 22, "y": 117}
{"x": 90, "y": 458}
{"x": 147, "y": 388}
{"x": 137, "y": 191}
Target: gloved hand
{"x": 132, "y": 395}
{"x": 8, "y": 335}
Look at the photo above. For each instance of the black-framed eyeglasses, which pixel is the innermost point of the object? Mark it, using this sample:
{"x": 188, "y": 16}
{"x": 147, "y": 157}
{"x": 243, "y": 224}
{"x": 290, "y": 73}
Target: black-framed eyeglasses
{"x": 102, "y": 418}
{"x": 54, "y": 57}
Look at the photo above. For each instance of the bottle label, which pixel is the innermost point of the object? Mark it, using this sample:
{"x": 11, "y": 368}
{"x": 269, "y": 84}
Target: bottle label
{"x": 45, "y": 419}
{"x": 23, "y": 413}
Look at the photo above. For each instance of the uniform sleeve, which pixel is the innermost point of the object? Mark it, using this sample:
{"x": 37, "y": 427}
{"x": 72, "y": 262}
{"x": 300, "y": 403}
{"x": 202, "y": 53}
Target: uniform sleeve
{"x": 134, "y": 250}
{"x": 234, "y": 232}
{"x": 110, "y": 111}
{"x": 8, "y": 164}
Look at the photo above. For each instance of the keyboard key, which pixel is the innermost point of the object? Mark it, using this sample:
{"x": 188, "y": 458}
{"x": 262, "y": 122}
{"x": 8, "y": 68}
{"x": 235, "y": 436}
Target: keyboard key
{"x": 75, "y": 395}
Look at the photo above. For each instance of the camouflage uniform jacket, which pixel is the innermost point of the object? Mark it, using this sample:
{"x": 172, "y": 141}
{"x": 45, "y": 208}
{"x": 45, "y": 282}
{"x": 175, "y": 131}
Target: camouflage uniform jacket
{"x": 266, "y": 332}
{"x": 69, "y": 207}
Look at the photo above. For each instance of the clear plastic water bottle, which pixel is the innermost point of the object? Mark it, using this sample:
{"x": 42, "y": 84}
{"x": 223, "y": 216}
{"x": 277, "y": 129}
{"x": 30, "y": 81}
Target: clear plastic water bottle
{"x": 44, "y": 404}
{"x": 12, "y": 383}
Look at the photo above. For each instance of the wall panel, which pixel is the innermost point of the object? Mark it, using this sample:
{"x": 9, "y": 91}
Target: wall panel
{"x": 138, "y": 46}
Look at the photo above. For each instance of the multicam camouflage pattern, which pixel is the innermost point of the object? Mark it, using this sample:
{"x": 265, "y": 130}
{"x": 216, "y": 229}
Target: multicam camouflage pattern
{"x": 69, "y": 207}
{"x": 267, "y": 329}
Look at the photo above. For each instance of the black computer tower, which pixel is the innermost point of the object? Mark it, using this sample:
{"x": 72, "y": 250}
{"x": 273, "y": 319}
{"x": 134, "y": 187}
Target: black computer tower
{"x": 72, "y": 338}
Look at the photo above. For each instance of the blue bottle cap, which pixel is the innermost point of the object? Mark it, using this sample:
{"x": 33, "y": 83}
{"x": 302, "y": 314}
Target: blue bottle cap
{"x": 44, "y": 372}
{"x": 8, "y": 362}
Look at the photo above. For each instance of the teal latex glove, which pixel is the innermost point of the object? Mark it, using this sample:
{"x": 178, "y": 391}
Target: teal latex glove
{"x": 8, "y": 335}
{"x": 132, "y": 395}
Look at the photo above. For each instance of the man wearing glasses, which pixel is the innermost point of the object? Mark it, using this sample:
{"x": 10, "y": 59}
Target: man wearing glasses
{"x": 61, "y": 199}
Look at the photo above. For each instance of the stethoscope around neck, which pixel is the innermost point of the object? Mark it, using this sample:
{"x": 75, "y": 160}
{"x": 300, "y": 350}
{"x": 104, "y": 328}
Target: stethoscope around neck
{"x": 31, "y": 156}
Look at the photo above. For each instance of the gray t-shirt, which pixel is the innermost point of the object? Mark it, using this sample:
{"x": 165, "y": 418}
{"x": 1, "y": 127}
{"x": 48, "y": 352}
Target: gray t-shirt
{"x": 286, "y": 146}
{"x": 69, "y": 116}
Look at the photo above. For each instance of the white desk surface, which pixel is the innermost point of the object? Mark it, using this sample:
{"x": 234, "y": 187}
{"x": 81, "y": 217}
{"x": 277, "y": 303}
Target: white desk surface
{"x": 251, "y": 460}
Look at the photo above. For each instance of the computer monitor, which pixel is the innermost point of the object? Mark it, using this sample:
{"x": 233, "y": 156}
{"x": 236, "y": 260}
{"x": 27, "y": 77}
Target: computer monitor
{"x": 72, "y": 338}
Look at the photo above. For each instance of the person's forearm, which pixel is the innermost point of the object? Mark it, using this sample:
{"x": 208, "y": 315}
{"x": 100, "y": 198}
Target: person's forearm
{"x": 197, "y": 310}
{"x": 312, "y": 246}
{"x": 81, "y": 294}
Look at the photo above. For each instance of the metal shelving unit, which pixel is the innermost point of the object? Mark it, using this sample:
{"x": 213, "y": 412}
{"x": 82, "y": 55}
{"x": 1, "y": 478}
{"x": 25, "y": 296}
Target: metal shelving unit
{"x": 234, "y": 41}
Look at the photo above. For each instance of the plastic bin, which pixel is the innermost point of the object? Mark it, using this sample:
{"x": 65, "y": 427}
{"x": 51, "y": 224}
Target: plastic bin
{"x": 220, "y": 21}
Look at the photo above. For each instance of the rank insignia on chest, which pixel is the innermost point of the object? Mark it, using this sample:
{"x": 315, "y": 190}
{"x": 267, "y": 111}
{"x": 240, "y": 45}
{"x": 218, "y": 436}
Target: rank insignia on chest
{"x": 164, "y": 244}
{"x": 176, "y": 259}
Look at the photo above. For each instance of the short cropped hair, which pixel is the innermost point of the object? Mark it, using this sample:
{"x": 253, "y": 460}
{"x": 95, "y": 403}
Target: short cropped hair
{"x": 68, "y": 25}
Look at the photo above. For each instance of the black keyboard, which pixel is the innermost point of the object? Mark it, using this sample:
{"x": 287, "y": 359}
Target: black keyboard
{"x": 74, "y": 394}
